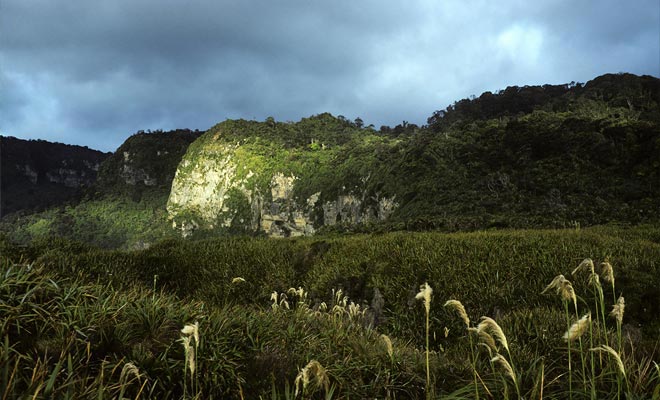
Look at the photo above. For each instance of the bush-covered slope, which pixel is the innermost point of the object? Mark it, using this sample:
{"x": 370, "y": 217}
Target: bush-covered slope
{"x": 536, "y": 156}
{"x": 532, "y": 156}
{"x": 125, "y": 207}
{"x": 35, "y": 174}
{"x": 145, "y": 162}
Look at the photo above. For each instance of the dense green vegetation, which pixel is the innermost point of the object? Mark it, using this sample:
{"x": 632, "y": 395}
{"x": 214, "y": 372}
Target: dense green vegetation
{"x": 541, "y": 156}
{"x": 110, "y": 222}
{"x": 35, "y": 174}
{"x": 153, "y": 156}
{"x": 119, "y": 209}
{"x": 94, "y": 294}
{"x": 534, "y": 156}
{"x": 110, "y": 308}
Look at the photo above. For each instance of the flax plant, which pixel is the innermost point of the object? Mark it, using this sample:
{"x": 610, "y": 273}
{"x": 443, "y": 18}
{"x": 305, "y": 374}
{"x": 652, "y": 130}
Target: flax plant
{"x": 458, "y": 306}
{"x": 312, "y": 376}
{"x": 191, "y": 333}
{"x": 425, "y": 293}
{"x": 564, "y": 289}
{"x": 621, "y": 370}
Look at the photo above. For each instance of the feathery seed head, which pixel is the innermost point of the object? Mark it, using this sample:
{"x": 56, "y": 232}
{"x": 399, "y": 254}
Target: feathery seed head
{"x": 586, "y": 264}
{"x": 456, "y": 305}
{"x": 337, "y": 295}
{"x": 192, "y": 329}
{"x": 236, "y": 280}
{"x": 425, "y": 293}
{"x": 300, "y": 292}
{"x": 489, "y": 324}
{"x": 607, "y": 271}
{"x": 185, "y": 341}
{"x": 283, "y": 301}
{"x": 594, "y": 280}
{"x": 354, "y": 310}
{"x": 578, "y": 328}
{"x": 563, "y": 287}
{"x": 567, "y": 292}
{"x": 388, "y": 345}
{"x": 618, "y": 309}
{"x": 127, "y": 370}
{"x": 312, "y": 372}
{"x": 486, "y": 339}
{"x": 189, "y": 353}
{"x": 499, "y": 359}
{"x": 190, "y": 358}
{"x": 555, "y": 284}
{"x": 614, "y": 354}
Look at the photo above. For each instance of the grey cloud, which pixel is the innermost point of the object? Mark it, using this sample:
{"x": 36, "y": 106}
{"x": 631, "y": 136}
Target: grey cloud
{"x": 94, "y": 72}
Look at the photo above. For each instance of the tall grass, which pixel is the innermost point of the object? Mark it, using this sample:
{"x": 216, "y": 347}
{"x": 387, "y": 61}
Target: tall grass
{"x": 76, "y": 320}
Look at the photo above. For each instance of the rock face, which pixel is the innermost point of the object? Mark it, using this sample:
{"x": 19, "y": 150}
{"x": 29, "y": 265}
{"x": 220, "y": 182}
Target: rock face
{"x": 37, "y": 174}
{"x": 229, "y": 185}
{"x": 145, "y": 162}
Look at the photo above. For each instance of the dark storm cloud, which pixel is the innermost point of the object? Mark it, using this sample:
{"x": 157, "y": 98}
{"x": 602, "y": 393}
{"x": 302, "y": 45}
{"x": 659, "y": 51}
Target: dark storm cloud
{"x": 94, "y": 72}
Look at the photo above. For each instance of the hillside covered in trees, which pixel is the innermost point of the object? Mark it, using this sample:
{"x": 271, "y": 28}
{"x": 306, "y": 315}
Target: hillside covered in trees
{"x": 533, "y": 156}
{"x": 35, "y": 174}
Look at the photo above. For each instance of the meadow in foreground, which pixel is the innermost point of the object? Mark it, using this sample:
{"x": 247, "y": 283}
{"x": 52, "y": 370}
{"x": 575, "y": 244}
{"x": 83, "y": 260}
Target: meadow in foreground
{"x": 499, "y": 315}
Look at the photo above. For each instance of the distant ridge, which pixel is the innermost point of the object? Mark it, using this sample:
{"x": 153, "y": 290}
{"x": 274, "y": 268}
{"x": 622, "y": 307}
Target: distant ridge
{"x": 36, "y": 174}
{"x": 531, "y": 156}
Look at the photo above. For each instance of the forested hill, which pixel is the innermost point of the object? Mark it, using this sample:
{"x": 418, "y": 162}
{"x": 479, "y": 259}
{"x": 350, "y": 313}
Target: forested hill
{"x": 145, "y": 163}
{"x": 533, "y": 156}
{"x": 611, "y": 91}
{"x": 35, "y": 174}
{"x": 542, "y": 156}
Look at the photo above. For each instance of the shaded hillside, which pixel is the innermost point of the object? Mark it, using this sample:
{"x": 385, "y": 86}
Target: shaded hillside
{"x": 126, "y": 205}
{"x": 609, "y": 92}
{"x": 145, "y": 162}
{"x": 36, "y": 174}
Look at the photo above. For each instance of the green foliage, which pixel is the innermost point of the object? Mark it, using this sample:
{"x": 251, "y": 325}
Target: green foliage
{"x": 36, "y": 174}
{"x": 530, "y": 157}
{"x": 152, "y": 156}
{"x": 77, "y": 298}
{"x": 110, "y": 222}
{"x": 550, "y": 156}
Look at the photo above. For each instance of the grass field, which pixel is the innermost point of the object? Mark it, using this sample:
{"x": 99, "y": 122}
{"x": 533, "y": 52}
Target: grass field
{"x": 336, "y": 317}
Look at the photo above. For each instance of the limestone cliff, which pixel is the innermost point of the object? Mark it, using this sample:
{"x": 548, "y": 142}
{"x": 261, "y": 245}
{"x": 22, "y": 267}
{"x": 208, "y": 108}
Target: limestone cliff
{"x": 231, "y": 178}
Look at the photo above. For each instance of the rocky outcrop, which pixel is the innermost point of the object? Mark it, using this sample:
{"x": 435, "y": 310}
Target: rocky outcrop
{"x": 36, "y": 174}
{"x": 146, "y": 161}
{"x": 133, "y": 175}
{"x": 282, "y": 215}
{"x": 215, "y": 187}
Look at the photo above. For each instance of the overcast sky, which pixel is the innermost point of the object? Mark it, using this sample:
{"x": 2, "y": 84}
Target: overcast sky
{"x": 94, "y": 72}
